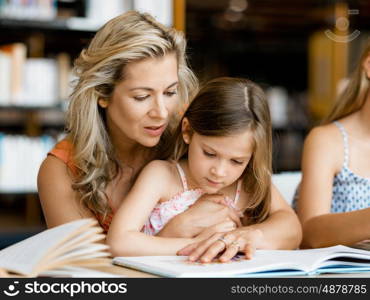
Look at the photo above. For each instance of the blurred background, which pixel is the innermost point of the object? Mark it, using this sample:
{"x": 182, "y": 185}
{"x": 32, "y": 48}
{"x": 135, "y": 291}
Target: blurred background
{"x": 300, "y": 52}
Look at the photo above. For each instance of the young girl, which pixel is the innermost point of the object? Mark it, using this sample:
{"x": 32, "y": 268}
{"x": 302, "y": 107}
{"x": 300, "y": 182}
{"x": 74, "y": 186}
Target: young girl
{"x": 223, "y": 145}
{"x": 334, "y": 198}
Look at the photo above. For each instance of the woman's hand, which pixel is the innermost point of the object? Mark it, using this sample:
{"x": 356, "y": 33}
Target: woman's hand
{"x": 245, "y": 239}
{"x": 217, "y": 228}
{"x": 208, "y": 211}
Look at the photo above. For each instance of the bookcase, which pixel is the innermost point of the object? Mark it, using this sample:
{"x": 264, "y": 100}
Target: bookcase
{"x": 35, "y": 64}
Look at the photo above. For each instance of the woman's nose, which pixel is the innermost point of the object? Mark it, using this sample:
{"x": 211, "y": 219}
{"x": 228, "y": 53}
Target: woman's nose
{"x": 159, "y": 109}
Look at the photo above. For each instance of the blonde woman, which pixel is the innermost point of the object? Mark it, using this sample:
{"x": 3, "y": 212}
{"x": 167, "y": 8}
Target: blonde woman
{"x": 132, "y": 81}
{"x": 223, "y": 145}
{"x": 334, "y": 198}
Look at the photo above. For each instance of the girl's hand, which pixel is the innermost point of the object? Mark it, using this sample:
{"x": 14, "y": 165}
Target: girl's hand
{"x": 245, "y": 239}
{"x": 206, "y": 212}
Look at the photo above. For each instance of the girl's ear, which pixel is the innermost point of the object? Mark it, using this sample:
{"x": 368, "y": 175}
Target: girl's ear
{"x": 186, "y": 130}
{"x": 103, "y": 103}
{"x": 366, "y": 66}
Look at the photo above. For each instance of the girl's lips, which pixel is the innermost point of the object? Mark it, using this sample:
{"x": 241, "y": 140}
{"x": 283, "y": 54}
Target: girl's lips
{"x": 214, "y": 183}
{"x": 155, "y": 130}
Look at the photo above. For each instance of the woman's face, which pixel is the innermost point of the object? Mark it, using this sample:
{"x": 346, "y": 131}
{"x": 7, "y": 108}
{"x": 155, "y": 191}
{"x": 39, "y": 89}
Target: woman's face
{"x": 143, "y": 103}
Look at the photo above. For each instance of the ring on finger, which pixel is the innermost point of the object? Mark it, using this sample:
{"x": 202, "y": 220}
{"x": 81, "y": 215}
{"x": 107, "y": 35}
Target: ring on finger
{"x": 235, "y": 244}
{"x": 223, "y": 240}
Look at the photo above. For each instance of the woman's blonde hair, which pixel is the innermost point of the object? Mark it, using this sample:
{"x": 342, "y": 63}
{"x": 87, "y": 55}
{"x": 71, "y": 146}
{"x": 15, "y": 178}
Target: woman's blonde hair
{"x": 354, "y": 95}
{"x": 226, "y": 106}
{"x": 130, "y": 37}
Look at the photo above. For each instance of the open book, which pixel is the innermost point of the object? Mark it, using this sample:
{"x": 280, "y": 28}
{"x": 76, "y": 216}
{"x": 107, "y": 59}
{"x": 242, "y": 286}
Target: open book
{"x": 74, "y": 244}
{"x": 265, "y": 263}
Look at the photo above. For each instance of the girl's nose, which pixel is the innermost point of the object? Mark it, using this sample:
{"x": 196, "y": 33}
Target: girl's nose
{"x": 219, "y": 170}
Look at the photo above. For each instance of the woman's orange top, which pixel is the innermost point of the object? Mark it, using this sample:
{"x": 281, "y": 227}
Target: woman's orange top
{"x": 64, "y": 151}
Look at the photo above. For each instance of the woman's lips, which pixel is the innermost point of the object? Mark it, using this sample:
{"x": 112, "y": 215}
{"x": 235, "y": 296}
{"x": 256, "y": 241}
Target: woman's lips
{"x": 155, "y": 130}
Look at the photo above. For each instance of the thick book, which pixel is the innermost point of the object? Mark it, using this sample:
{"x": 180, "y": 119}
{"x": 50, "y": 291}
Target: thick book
{"x": 265, "y": 263}
{"x": 74, "y": 244}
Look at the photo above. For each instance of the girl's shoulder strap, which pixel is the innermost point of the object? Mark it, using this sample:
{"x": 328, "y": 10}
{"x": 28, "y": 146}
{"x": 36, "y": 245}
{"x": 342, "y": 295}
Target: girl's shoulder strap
{"x": 182, "y": 176}
{"x": 238, "y": 191}
{"x": 345, "y": 142}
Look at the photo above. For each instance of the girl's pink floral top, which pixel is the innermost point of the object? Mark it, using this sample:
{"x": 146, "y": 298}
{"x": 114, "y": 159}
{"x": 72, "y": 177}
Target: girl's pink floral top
{"x": 165, "y": 211}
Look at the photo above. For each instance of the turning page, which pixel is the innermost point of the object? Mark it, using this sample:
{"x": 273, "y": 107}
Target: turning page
{"x": 25, "y": 256}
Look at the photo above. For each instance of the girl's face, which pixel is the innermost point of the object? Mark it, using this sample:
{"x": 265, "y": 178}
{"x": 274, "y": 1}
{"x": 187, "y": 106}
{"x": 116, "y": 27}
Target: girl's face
{"x": 217, "y": 162}
{"x": 143, "y": 103}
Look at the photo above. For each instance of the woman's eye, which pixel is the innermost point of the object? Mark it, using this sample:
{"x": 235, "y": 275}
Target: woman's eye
{"x": 170, "y": 93}
{"x": 209, "y": 154}
{"x": 141, "y": 98}
{"x": 238, "y": 162}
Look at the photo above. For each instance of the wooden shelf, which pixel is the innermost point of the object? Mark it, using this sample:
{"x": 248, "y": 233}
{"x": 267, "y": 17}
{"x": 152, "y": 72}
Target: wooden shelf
{"x": 56, "y": 24}
{"x": 21, "y": 116}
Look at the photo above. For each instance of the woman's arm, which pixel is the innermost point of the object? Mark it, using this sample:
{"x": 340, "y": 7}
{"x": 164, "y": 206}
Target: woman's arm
{"x": 124, "y": 236}
{"x": 59, "y": 201}
{"x": 322, "y": 159}
{"x": 281, "y": 230}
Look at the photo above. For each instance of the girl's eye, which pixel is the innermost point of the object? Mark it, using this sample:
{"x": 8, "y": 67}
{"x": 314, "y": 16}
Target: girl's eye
{"x": 141, "y": 98}
{"x": 209, "y": 154}
{"x": 237, "y": 162}
{"x": 170, "y": 93}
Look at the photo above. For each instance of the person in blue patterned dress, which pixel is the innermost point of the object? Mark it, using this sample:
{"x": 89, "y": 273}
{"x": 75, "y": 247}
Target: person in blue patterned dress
{"x": 334, "y": 196}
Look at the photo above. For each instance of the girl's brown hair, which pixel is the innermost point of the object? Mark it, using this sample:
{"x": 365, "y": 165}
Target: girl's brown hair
{"x": 227, "y": 106}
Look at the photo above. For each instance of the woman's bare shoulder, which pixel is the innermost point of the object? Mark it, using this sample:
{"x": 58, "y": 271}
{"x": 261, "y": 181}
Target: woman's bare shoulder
{"x": 59, "y": 200}
{"x": 54, "y": 168}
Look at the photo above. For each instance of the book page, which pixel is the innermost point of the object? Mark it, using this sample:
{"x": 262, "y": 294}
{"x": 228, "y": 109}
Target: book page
{"x": 289, "y": 261}
{"x": 25, "y": 256}
{"x": 86, "y": 237}
{"x": 178, "y": 266}
{"x": 93, "y": 250}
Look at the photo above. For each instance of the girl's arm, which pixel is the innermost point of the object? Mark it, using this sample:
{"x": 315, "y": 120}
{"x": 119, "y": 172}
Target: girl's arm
{"x": 322, "y": 159}
{"x": 124, "y": 236}
{"x": 59, "y": 201}
{"x": 281, "y": 230}
{"x": 207, "y": 212}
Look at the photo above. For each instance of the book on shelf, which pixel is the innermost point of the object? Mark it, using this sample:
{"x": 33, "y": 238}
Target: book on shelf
{"x": 33, "y": 81}
{"x": 13, "y": 68}
{"x": 265, "y": 263}
{"x": 76, "y": 244}
{"x": 5, "y": 82}
{"x": 18, "y": 173}
{"x": 64, "y": 76}
{"x": 40, "y": 82}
